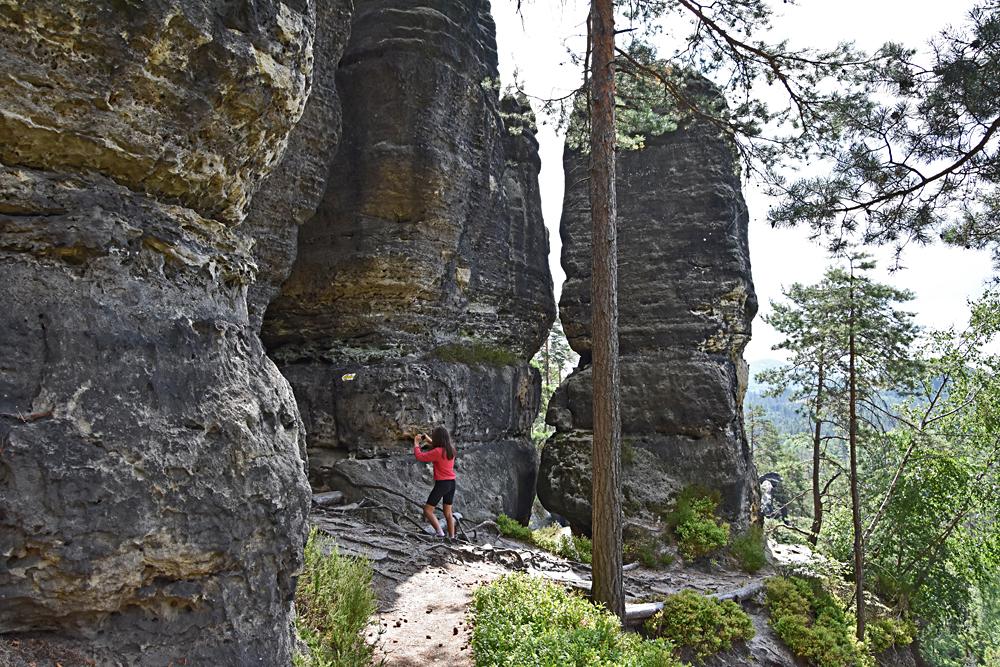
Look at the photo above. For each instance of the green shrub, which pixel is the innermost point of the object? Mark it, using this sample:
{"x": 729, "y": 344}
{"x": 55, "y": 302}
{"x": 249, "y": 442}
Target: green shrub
{"x": 475, "y": 354}
{"x": 521, "y": 620}
{"x": 509, "y": 527}
{"x": 550, "y": 538}
{"x": 698, "y": 531}
{"x": 646, "y": 551}
{"x": 813, "y": 624}
{"x": 334, "y": 602}
{"x": 749, "y": 549}
{"x": 700, "y": 624}
{"x": 882, "y": 633}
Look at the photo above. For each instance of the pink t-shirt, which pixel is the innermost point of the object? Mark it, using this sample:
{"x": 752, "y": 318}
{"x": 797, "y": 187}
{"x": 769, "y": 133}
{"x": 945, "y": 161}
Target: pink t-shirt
{"x": 444, "y": 468}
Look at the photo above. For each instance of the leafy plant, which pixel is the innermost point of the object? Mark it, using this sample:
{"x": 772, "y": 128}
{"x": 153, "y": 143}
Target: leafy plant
{"x": 334, "y": 602}
{"x": 701, "y": 624}
{"x": 748, "y": 549}
{"x": 813, "y": 624}
{"x": 883, "y": 633}
{"x": 521, "y": 620}
{"x": 698, "y": 531}
{"x": 509, "y": 527}
{"x": 647, "y": 551}
{"x": 550, "y": 538}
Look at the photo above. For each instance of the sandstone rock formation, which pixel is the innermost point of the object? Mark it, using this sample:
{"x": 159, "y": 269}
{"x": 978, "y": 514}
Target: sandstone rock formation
{"x": 421, "y": 286}
{"x": 152, "y": 489}
{"x": 289, "y": 195}
{"x": 685, "y": 304}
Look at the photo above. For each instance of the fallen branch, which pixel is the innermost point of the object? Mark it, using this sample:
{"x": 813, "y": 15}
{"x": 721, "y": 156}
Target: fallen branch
{"x": 27, "y": 419}
{"x": 636, "y": 613}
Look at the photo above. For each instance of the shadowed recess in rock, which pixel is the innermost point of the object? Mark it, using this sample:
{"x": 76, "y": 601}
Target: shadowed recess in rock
{"x": 424, "y": 271}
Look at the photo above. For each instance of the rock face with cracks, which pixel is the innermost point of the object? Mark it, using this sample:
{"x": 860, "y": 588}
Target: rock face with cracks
{"x": 421, "y": 288}
{"x": 153, "y": 495}
{"x": 685, "y": 304}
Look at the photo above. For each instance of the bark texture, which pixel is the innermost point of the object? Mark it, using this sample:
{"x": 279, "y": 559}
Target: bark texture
{"x": 606, "y": 501}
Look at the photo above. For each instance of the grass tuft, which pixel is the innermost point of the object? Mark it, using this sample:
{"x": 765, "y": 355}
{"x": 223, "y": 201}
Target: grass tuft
{"x": 550, "y": 538}
{"x": 334, "y": 602}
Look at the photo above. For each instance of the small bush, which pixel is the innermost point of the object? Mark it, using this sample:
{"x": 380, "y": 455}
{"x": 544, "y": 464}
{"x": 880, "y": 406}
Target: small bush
{"x": 700, "y": 624}
{"x": 883, "y": 633}
{"x": 509, "y": 527}
{"x": 813, "y": 624}
{"x": 521, "y": 620}
{"x": 698, "y": 531}
{"x": 749, "y": 549}
{"x": 646, "y": 550}
{"x": 550, "y": 538}
{"x": 334, "y": 602}
{"x": 475, "y": 354}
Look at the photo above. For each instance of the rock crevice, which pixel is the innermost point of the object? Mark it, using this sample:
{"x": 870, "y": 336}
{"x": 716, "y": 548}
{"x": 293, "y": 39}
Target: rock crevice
{"x": 420, "y": 288}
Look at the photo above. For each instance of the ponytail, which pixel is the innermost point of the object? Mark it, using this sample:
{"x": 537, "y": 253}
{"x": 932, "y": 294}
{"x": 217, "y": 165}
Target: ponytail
{"x": 441, "y": 438}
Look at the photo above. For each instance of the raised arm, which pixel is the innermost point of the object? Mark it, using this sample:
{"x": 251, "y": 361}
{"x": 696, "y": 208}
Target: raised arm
{"x": 426, "y": 457}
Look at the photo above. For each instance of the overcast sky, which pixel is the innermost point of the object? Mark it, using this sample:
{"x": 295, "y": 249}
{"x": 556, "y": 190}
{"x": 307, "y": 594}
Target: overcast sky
{"x": 943, "y": 278}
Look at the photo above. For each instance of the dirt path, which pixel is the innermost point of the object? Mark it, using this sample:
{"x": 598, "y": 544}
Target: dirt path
{"x": 424, "y": 586}
{"x": 426, "y": 624}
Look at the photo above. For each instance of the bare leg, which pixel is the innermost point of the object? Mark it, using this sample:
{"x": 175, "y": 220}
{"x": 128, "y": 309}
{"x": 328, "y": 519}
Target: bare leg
{"x": 431, "y": 518}
{"x": 451, "y": 521}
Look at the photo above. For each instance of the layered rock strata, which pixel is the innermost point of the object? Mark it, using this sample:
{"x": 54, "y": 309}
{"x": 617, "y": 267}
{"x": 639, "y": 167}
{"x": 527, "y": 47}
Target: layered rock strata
{"x": 685, "y": 304}
{"x": 421, "y": 286}
{"x": 153, "y": 496}
{"x": 292, "y": 191}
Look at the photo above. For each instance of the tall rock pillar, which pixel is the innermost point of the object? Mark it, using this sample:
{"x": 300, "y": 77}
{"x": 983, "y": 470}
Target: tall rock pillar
{"x": 421, "y": 287}
{"x": 685, "y": 300}
{"x": 153, "y": 495}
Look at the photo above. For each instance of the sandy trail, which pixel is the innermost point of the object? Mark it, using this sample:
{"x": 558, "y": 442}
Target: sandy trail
{"x": 424, "y": 587}
{"x": 426, "y": 623}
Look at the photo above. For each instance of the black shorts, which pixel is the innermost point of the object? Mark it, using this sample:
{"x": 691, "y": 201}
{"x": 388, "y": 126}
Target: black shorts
{"x": 443, "y": 488}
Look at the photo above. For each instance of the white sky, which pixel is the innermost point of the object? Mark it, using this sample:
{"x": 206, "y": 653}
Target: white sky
{"x": 943, "y": 278}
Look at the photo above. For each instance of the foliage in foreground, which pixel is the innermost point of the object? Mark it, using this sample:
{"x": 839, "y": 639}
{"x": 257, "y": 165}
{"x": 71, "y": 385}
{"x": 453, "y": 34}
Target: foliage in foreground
{"x": 520, "y": 620}
{"x": 573, "y": 547}
{"x": 816, "y": 627}
{"x": 334, "y": 601}
{"x": 701, "y": 624}
{"x": 698, "y": 531}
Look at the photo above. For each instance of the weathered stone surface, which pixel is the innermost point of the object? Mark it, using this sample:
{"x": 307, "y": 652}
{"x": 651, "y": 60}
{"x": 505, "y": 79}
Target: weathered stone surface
{"x": 289, "y": 195}
{"x": 685, "y": 304}
{"x": 424, "y": 270}
{"x": 153, "y": 495}
{"x": 773, "y": 497}
{"x": 187, "y": 100}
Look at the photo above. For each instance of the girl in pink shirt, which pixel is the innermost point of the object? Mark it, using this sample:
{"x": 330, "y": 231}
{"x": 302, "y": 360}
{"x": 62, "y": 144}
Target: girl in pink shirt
{"x": 442, "y": 454}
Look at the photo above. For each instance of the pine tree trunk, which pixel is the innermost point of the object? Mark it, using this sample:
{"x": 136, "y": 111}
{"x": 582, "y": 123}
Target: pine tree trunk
{"x": 607, "y": 516}
{"x": 859, "y": 555}
{"x": 817, "y": 523}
